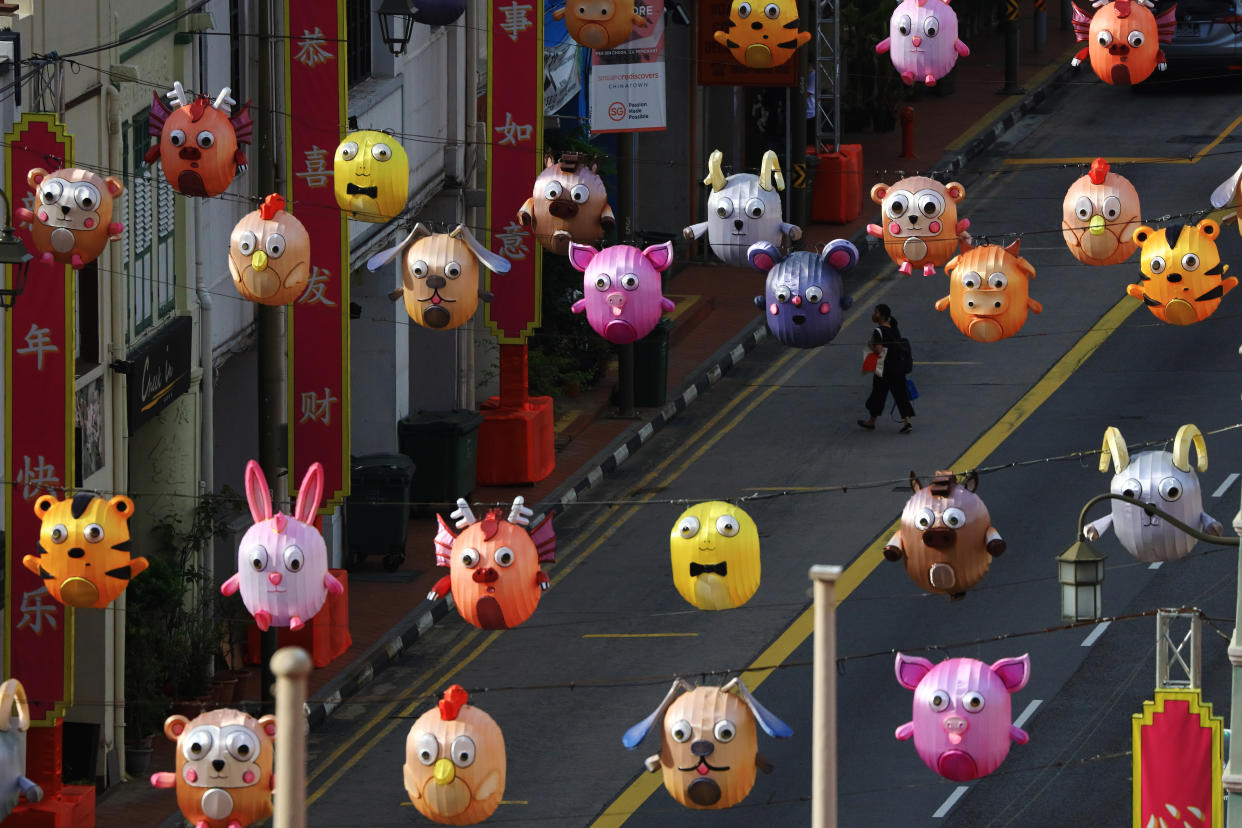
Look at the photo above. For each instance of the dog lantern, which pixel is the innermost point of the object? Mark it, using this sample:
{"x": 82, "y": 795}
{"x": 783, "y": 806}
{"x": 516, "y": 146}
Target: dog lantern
{"x": 742, "y": 210}
{"x": 804, "y": 293}
{"x": 454, "y": 767}
{"x": 198, "y": 143}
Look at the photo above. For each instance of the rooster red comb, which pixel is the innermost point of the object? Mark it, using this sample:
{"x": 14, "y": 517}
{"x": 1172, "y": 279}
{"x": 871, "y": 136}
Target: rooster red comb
{"x": 271, "y": 205}
{"x": 1099, "y": 169}
{"x": 454, "y": 698}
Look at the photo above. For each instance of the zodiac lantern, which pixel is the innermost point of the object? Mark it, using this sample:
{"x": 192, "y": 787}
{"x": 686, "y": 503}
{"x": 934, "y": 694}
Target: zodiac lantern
{"x": 269, "y": 254}
{"x": 1099, "y": 215}
{"x": 921, "y": 228}
{"x": 14, "y": 724}
{"x": 198, "y": 143}
{"x": 763, "y": 34}
{"x": 623, "y": 297}
{"x": 922, "y": 40}
{"x": 989, "y": 291}
{"x": 371, "y": 176}
{"x": 1181, "y": 278}
{"x": 569, "y": 204}
{"x": 715, "y": 553}
{"x": 1227, "y": 194}
{"x": 1123, "y": 39}
{"x": 599, "y": 24}
{"x": 804, "y": 291}
{"x": 72, "y": 220}
{"x": 742, "y": 210}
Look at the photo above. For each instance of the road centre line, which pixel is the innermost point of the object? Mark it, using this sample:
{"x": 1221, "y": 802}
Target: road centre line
{"x": 1095, "y": 634}
{"x": 948, "y": 804}
{"x": 642, "y": 635}
{"x": 1026, "y": 714}
{"x": 1224, "y": 487}
{"x": 1141, "y": 159}
{"x": 1156, "y": 565}
{"x": 800, "y": 630}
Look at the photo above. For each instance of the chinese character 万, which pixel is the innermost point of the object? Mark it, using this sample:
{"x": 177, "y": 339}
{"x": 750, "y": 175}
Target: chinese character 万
{"x": 316, "y": 172}
{"x": 513, "y": 132}
{"x": 40, "y": 476}
{"x": 38, "y": 342}
{"x": 311, "y": 50}
{"x": 317, "y": 409}
{"x": 515, "y": 21}
{"x": 35, "y": 612}
{"x": 314, "y": 295}
{"x": 513, "y": 241}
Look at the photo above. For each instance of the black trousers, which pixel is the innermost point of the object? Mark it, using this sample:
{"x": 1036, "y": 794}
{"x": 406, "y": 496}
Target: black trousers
{"x": 881, "y": 387}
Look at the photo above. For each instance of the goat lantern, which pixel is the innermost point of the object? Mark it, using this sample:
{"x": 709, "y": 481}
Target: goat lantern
{"x": 454, "y": 767}
{"x": 1163, "y": 479}
{"x": 1181, "y": 278}
{"x": 72, "y": 220}
{"x": 946, "y": 538}
{"x": 922, "y": 41}
{"x": 714, "y": 548}
{"x": 599, "y": 24}
{"x": 269, "y": 254}
{"x": 1099, "y": 215}
{"x": 989, "y": 291}
{"x": 709, "y": 748}
{"x": 763, "y": 35}
{"x": 569, "y": 204}
{"x": 84, "y": 558}
{"x": 440, "y": 279}
{"x": 921, "y": 228}
{"x": 494, "y": 564}
{"x": 963, "y": 718}
{"x": 1123, "y": 39}
{"x": 742, "y": 210}
{"x": 1227, "y": 194}
{"x": 13, "y": 728}
{"x": 370, "y": 176}
{"x": 623, "y": 298}
{"x": 198, "y": 143}
{"x": 804, "y": 293}
{"x": 224, "y": 768}
{"x": 282, "y": 562}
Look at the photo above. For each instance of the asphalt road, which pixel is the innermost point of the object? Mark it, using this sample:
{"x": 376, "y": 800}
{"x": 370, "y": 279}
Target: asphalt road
{"x": 599, "y": 653}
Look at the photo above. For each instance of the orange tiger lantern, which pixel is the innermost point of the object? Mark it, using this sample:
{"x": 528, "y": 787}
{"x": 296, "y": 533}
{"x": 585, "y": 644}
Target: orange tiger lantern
{"x": 1181, "y": 278}
{"x": 1099, "y": 215}
{"x": 1124, "y": 39}
{"x": 269, "y": 254}
{"x": 198, "y": 142}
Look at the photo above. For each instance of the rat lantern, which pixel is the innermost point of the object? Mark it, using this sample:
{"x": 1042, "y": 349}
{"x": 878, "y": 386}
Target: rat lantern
{"x": 946, "y": 537}
{"x": 1099, "y": 215}
{"x": 989, "y": 291}
{"x": 224, "y": 768}
{"x": 370, "y": 176}
{"x": 715, "y": 553}
{"x": 454, "y": 767}
{"x": 922, "y": 40}
{"x": 13, "y": 780}
{"x": 569, "y": 204}
{"x": 198, "y": 142}
{"x": 1163, "y": 479}
{"x": 599, "y": 24}
{"x": 269, "y": 254}
{"x": 282, "y": 562}
{"x": 83, "y": 555}
{"x": 440, "y": 277}
{"x": 494, "y": 571}
{"x": 921, "y": 228}
{"x": 763, "y": 34}
{"x": 623, "y": 298}
{"x": 1182, "y": 278}
{"x": 708, "y": 744}
{"x": 963, "y": 719}
{"x": 1123, "y": 39}
{"x": 742, "y": 210}
{"x": 804, "y": 292}
{"x": 72, "y": 220}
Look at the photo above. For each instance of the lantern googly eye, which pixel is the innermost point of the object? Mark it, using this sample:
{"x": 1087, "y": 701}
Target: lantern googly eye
{"x": 428, "y": 749}
{"x": 903, "y": 25}
{"x": 1156, "y": 265}
{"x": 973, "y": 701}
{"x": 198, "y": 743}
{"x": 931, "y": 27}
{"x": 629, "y": 281}
{"x": 580, "y": 193}
{"x": 381, "y": 152}
{"x": 205, "y": 139}
{"x": 1083, "y": 208}
{"x": 602, "y": 282}
{"x": 929, "y": 203}
{"x": 689, "y": 527}
{"x": 469, "y": 557}
{"x": 1170, "y": 489}
{"x": 1135, "y": 39}
{"x": 348, "y": 151}
{"x": 462, "y": 751}
{"x": 246, "y": 242}
{"x": 177, "y": 138}
{"x": 680, "y": 731}
{"x": 242, "y": 744}
{"x": 783, "y": 293}
{"x": 452, "y": 270}
{"x": 897, "y": 205}
{"x": 754, "y": 208}
{"x": 86, "y": 197}
{"x": 294, "y": 559}
{"x": 814, "y": 294}
{"x": 275, "y": 244}
{"x": 971, "y": 280}
{"x": 1112, "y": 208}
{"x": 52, "y": 190}
{"x": 724, "y": 207}
{"x": 504, "y": 556}
{"x": 418, "y": 269}
{"x": 727, "y": 525}
{"x": 772, "y": 11}
{"x": 59, "y": 533}
{"x": 1105, "y": 38}
{"x": 724, "y": 731}
{"x": 998, "y": 281}
{"x": 553, "y": 191}
{"x": 1132, "y": 488}
{"x": 1190, "y": 261}
{"x": 258, "y": 558}
{"x": 743, "y": 10}
{"x": 939, "y": 701}
{"x": 925, "y": 518}
{"x": 954, "y": 518}
{"x": 93, "y": 533}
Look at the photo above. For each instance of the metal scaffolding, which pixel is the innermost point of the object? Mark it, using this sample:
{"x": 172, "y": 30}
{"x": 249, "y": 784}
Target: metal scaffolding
{"x": 827, "y": 79}
{"x": 1179, "y": 644}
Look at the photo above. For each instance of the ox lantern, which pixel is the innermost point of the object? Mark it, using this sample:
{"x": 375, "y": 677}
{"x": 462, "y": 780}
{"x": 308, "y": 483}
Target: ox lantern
{"x": 1123, "y": 39}
{"x": 600, "y": 24}
{"x": 569, "y": 204}
{"x": 198, "y": 143}
{"x": 1099, "y": 215}
{"x": 921, "y": 228}
{"x": 72, "y": 220}
{"x": 14, "y": 724}
{"x": 622, "y": 294}
{"x": 1181, "y": 276}
{"x": 714, "y": 548}
{"x": 804, "y": 293}
{"x": 269, "y": 254}
{"x": 371, "y": 175}
{"x": 989, "y": 291}
{"x": 922, "y": 40}
{"x": 742, "y": 210}
{"x": 454, "y": 767}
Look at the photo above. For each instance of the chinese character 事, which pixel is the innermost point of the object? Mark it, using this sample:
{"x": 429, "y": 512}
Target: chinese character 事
{"x": 516, "y": 19}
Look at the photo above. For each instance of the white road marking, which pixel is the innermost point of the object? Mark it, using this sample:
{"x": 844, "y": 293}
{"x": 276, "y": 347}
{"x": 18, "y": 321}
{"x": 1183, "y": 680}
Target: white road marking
{"x": 950, "y": 802}
{"x": 1095, "y": 634}
{"x": 1224, "y": 487}
{"x": 1156, "y": 565}
{"x": 1028, "y": 712}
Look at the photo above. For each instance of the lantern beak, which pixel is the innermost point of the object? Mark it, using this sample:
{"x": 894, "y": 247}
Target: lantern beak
{"x": 444, "y": 772}
{"x": 1097, "y": 225}
{"x": 259, "y": 260}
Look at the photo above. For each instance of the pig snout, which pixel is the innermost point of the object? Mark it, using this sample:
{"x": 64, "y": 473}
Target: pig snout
{"x": 616, "y": 301}
{"x": 985, "y": 302}
{"x": 940, "y": 538}
{"x": 563, "y": 209}
{"x": 485, "y": 575}
{"x": 955, "y": 728}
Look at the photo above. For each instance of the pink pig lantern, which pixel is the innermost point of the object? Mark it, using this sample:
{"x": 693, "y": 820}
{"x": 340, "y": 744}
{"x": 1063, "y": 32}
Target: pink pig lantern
{"x": 962, "y": 722}
{"x": 623, "y": 295}
{"x": 282, "y": 562}
{"x": 922, "y": 40}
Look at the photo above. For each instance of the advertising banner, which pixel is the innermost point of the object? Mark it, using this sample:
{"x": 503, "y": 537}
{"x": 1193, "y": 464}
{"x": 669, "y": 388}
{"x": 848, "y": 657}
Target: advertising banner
{"x": 627, "y": 91}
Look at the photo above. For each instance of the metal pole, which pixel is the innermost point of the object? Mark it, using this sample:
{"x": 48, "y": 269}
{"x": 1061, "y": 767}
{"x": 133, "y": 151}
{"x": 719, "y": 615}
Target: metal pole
{"x": 824, "y": 719}
{"x": 626, "y": 202}
{"x": 1231, "y": 779}
{"x": 799, "y": 204}
{"x": 1041, "y": 25}
{"x": 625, "y": 381}
{"x": 291, "y": 666}
{"x": 1066, "y": 15}
{"x": 1011, "y": 50}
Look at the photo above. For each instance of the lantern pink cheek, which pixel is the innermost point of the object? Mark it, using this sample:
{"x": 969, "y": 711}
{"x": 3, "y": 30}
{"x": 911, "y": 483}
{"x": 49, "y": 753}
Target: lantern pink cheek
{"x": 248, "y": 777}
{"x": 824, "y": 307}
{"x": 934, "y": 227}
{"x": 89, "y": 223}
{"x": 191, "y": 775}
{"x": 772, "y": 309}
{"x": 43, "y": 216}
{"x": 894, "y": 228}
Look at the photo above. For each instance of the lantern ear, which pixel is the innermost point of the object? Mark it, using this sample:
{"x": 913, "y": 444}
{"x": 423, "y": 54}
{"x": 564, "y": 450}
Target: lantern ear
{"x": 385, "y": 256}
{"x": 257, "y": 494}
{"x": 309, "y": 494}
{"x": 840, "y": 254}
{"x": 492, "y": 261}
{"x": 915, "y": 485}
{"x": 1142, "y": 233}
{"x": 580, "y": 256}
{"x": 971, "y": 481}
{"x": 660, "y": 255}
{"x": 638, "y": 732}
{"x": 1186, "y": 436}
{"x": 1114, "y": 448}
{"x": 35, "y": 176}
{"x": 268, "y": 725}
{"x": 910, "y": 670}
{"x": 43, "y": 505}
{"x": 770, "y": 172}
{"x": 1208, "y": 228}
{"x": 174, "y": 726}
{"x": 549, "y": 161}
{"x": 114, "y": 185}
{"x": 1014, "y": 246}
{"x": 952, "y": 263}
{"x": 1013, "y": 672}
{"x": 715, "y": 176}
{"x": 770, "y": 724}
{"x": 878, "y": 192}
{"x": 956, "y": 191}
{"x": 764, "y": 256}
{"x": 1227, "y": 191}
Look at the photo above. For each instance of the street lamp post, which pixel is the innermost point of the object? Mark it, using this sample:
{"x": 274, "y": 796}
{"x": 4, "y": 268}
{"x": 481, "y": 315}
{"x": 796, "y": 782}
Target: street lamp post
{"x": 12, "y": 252}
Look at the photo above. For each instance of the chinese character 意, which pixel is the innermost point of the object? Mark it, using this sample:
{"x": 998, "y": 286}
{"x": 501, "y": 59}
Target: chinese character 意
{"x": 38, "y": 342}
{"x": 311, "y": 49}
{"x": 35, "y": 612}
{"x": 37, "y": 477}
{"x": 513, "y": 241}
{"x": 316, "y": 172}
{"x": 516, "y": 20}
{"x": 513, "y": 132}
{"x": 314, "y": 293}
{"x": 317, "y": 409}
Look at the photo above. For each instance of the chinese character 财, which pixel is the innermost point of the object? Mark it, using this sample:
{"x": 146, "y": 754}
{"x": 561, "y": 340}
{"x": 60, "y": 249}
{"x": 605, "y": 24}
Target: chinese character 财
{"x": 314, "y": 295}
{"x": 38, "y": 477}
{"x": 38, "y": 342}
{"x": 35, "y": 612}
{"x": 317, "y": 409}
{"x": 311, "y": 50}
{"x": 513, "y": 241}
{"x": 516, "y": 20}
{"x": 513, "y": 132}
{"x": 316, "y": 172}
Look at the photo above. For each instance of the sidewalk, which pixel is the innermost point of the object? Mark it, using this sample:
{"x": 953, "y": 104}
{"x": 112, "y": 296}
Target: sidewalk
{"x": 715, "y": 325}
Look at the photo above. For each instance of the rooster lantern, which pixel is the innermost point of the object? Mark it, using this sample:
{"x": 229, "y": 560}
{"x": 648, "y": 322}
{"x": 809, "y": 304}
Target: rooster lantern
{"x": 269, "y": 254}
{"x": 1099, "y": 215}
{"x": 742, "y": 210}
{"x": 1181, "y": 276}
{"x": 1123, "y": 39}
{"x": 14, "y": 725}
{"x": 494, "y": 571}
{"x": 763, "y": 34}
{"x": 198, "y": 143}
{"x": 72, "y": 220}
{"x": 569, "y": 204}
{"x": 922, "y": 40}
{"x": 989, "y": 291}
{"x": 370, "y": 175}
{"x": 921, "y": 227}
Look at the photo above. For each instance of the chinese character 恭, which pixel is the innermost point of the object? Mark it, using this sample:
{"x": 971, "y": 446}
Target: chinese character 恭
{"x": 515, "y": 21}
{"x": 513, "y": 241}
{"x": 311, "y": 50}
{"x": 38, "y": 477}
{"x": 34, "y": 611}
{"x": 316, "y": 408}
{"x": 513, "y": 132}
{"x": 38, "y": 342}
{"x": 316, "y": 172}
{"x": 314, "y": 295}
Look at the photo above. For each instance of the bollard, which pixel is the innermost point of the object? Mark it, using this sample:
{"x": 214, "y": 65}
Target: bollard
{"x": 1011, "y": 50}
{"x": 1041, "y": 25}
{"x": 907, "y": 132}
{"x": 291, "y": 666}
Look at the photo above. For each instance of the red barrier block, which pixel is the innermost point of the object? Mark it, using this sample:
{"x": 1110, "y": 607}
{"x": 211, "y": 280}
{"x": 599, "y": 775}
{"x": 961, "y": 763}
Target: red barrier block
{"x": 516, "y": 445}
{"x": 837, "y": 197}
{"x": 72, "y": 807}
{"x": 326, "y": 637}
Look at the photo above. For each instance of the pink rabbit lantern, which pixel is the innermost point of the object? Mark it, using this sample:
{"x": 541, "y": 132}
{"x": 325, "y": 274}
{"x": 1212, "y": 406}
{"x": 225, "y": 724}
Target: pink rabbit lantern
{"x": 922, "y": 40}
{"x": 962, "y": 717}
{"x": 282, "y": 562}
{"x": 623, "y": 295}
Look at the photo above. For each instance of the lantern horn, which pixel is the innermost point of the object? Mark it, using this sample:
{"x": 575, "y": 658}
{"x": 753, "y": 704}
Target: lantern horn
{"x": 1099, "y": 169}
{"x": 492, "y": 261}
{"x": 1186, "y": 436}
{"x": 178, "y": 95}
{"x": 520, "y": 514}
{"x": 223, "y": 102}
{"x": 1114, "y": 449}
{"x": 12, "y": 694}
{"x": 462, "y": 514}
{"x": 715, "y": 176}
{"x": 1014, "y": 246}
{"x": 769, "y": 171}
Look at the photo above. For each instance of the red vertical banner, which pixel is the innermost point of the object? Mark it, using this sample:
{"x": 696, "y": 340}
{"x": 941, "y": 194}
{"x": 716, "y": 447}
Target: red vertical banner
{"x": 318, "y": 322}
{"x": 39, "y": 409}
{"x": 1178, "y": 758}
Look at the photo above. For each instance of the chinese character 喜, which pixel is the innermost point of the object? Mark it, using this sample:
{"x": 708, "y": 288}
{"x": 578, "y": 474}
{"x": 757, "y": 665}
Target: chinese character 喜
{"x": 316, "y": 172}
{"x": 314, "y": 293}
{"x": 317, "y": 409}
{"x": 512, "y": 132}
{"x": 311, "y": 50}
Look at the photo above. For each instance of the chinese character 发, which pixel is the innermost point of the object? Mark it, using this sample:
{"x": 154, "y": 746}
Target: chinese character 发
{"x": 314, "y": 293}
{"x": 317, "y": 409}
{"x": 513, "y": 241}
{"x": 38, "y": 477}
{"x": 38, "y": 342}
{"x": 516, "y": 20}
{"x": 35, "y": 612}
{"x": 512, "y": 132}
{"x": 316, "y": 172}
{"x": 311, "y": 50}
